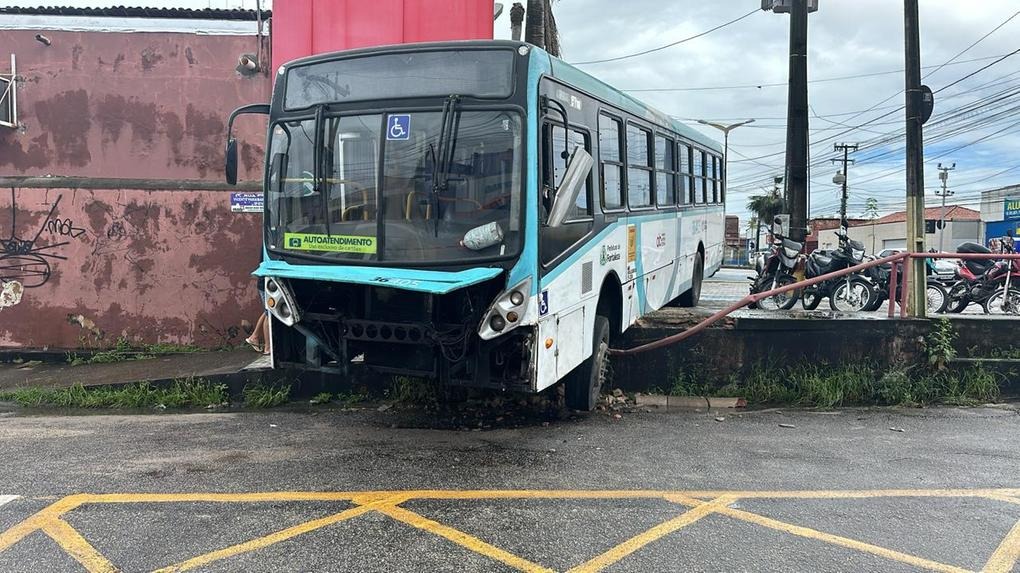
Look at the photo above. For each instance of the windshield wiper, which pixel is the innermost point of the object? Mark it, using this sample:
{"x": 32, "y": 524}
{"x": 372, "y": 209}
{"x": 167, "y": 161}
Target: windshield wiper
{"x": 318, "y": 159}
{"x": 446, "y": 145}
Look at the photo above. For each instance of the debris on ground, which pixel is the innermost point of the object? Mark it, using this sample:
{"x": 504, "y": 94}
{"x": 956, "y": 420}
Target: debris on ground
{"x": 897, "y": 429}
{"x": 787, "y": 426}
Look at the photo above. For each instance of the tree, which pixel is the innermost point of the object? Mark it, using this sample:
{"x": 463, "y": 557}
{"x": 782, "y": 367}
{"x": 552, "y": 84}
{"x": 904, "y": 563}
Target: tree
{"x": 767, "y": 206}
{"x": 871, "y": 208}
{"x": 752, "y": 226}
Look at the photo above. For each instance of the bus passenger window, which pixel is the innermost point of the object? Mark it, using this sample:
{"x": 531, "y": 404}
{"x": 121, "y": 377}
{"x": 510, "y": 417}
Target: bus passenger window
{"x": 686, "y": 187}
{"x": 665, "y": 172}
{"x": 721, "y": 174}
{"x": 699, "y": 177}
{"x": 556, "y": 144}
{"x": 611, "y": 163}
{"x": 715, "y": 179}
{"x": 639, "y": 168}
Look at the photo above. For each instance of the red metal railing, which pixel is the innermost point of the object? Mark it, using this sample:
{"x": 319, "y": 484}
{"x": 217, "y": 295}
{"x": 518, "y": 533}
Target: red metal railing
{"x": 896, "y": 260}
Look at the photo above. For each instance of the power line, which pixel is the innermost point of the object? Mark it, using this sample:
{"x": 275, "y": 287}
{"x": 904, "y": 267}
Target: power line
{"x": 670, "y": 45}
{"x": 819, "y": 80}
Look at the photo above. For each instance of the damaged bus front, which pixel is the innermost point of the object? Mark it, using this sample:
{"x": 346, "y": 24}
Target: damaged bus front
{"x": 396, "y": 213}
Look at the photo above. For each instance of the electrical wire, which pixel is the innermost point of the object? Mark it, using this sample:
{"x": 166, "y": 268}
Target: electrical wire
{"x": 670, "y": 45}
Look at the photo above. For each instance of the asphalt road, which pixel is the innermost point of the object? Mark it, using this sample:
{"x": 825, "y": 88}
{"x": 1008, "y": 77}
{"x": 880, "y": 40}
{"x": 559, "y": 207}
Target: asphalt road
{"x": 334, "y": 490}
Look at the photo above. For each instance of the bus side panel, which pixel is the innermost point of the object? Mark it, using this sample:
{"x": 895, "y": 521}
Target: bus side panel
{"x": 657, "y": 256}
{"x": 569, "y": 295}
{"x": 714, "y": 242}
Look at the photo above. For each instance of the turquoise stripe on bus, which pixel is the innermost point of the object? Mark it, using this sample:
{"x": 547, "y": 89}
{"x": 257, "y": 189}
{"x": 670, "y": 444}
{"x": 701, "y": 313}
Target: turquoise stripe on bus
{"x": 419, "y": 280}
{"x": 527, "y": 265}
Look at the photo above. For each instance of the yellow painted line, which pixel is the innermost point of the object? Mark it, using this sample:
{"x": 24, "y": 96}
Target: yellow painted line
{"x": 37, "y": 521}
{"x": 1007, "y": 555}
{"x": 837, "y": 540}
{"x": 271, "y": 496}
{"x": 276, "y": 537}
{"x": 655, "y": 533}
{"x": 75, "y": 545}
{"x": 463, "y": 539}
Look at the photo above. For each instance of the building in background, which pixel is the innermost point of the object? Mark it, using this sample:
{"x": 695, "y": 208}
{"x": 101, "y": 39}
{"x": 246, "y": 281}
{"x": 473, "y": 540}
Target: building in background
{"x": 114, "y": 216}
{"x": 734, "y": 244}
{"x": 1000, "y": 213}
{"x": 963, "y": 225}
{"x": 817, "y": 238}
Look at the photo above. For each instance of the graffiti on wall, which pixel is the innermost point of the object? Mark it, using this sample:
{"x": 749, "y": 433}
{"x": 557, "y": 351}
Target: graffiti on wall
{"x": 26, "y": 260}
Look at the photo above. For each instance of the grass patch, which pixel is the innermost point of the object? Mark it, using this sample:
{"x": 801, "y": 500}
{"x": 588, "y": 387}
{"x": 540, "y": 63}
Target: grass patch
{"x": 123, "y": 350}
{"x": 416, "y": 391}
{"x": 321, "y": 398}
{"x": 183, "y": 393}
{"x": 830, "y": 386}
{"x": 265, "y": 396}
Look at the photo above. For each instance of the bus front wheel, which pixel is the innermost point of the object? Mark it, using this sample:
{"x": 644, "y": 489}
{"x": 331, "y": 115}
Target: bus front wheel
{"x": 584, "y": 383}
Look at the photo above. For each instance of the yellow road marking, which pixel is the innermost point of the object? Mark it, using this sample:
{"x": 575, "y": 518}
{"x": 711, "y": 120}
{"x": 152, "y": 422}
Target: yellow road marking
{"x": 837, "y": 540}
{"x": 1007, "y": 555}
{"x": 638, "y": 541}
{"x": 75, "y": 545}
{"x": 275, "y": 537}
{"x": 460, "y": 538}
{"x": 49, "y": 520}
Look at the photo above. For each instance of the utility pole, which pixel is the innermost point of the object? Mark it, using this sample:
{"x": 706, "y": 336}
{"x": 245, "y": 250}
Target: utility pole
{"x": 915, "y": 159}
{"x": 797, "y": 112}
{"x": 944, "y": 177}
{"x": 840, "y": 179}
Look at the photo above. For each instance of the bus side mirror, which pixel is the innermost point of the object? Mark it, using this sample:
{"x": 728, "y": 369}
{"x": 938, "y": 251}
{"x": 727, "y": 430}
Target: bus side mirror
{"x": 574, "y": 179}
{"x": 231, "y": 161}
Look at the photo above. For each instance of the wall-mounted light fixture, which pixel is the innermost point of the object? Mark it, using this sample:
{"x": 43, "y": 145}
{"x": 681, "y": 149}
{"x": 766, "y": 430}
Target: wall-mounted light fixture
{"x": 42, "y": 40}
{"x": 247, "y": 65}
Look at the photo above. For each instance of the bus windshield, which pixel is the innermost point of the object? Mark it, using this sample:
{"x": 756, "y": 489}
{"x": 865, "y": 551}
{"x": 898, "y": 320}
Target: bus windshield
{"x": 396, "y": 188}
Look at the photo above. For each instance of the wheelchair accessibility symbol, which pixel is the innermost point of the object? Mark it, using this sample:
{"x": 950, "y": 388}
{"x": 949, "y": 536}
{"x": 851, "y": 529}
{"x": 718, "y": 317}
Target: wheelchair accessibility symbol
{"x": 399, "y": 127}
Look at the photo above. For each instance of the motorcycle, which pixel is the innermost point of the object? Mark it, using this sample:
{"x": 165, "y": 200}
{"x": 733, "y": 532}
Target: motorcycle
{"x": 984, "y": 282}
{"x": 775, "y": 270}
{"x": 936, "y": 294}
{"x": 848, "y": 293}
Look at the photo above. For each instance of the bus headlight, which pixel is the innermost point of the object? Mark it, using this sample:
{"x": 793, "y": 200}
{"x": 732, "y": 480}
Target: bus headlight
{"x": 280, "y": 302}
{"x": 506, "y": 312}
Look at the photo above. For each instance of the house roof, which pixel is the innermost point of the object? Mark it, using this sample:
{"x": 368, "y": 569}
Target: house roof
{"x": 953, "y": 213}
{"x": 138, "y": 12}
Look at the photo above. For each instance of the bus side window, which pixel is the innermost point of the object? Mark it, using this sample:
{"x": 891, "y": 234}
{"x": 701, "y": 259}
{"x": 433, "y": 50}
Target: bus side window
{"x": 698, "y": 169}
{"x": 611, "y": 163}
{"x": 665, "y": 172}
{"x": 684, "y": 164}
{"x": 558, "y": 142}
{"x": 639, "y": 168}
{"x": 715, "y": 179}
{"x": 554, "y": 241}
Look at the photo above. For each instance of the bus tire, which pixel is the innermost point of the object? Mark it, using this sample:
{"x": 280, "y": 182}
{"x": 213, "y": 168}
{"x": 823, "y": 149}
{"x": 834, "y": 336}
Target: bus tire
{"x": 693, "y": 295}
{"x": 583, "y": 385}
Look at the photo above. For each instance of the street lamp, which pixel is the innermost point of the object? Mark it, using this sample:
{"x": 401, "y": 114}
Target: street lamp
{"x": 726, "y": 129}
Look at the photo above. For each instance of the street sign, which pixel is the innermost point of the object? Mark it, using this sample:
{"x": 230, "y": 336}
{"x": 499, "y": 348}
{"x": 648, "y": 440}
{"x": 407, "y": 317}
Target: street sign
{"x": 1011, "y": 210}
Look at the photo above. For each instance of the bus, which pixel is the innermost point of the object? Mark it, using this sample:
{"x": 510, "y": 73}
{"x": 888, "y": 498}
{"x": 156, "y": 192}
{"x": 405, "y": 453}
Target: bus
{"x": 476, "y": 212}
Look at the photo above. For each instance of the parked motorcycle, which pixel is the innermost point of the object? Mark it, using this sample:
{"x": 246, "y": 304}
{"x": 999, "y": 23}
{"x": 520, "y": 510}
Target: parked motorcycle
{"x": 848, "y": 293}
{"x": 880, "y": 275}
{"x": 776, "y": 270}
{"x": 984, "y": 282}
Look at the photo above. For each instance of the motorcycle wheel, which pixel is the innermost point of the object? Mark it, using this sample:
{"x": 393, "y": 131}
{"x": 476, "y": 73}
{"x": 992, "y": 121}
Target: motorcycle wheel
{"x": 852, "y": 297}
{"x": 957, "y": 299}
{"x": 811, "y": 298}
{"x": 784, "y": 301}
{"x": 937, "y": 297}
{"x": 996, "y": 305}
{"x": 876, "y": 301}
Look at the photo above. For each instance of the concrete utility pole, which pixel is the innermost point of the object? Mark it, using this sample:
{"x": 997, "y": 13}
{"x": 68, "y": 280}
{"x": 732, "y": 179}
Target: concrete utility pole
{"x": 726, "y": 129}
{"x": 797, "y": 113}
{"x": 944, "y": 177}
{"x": 840, "y": 179}
{"x": 916, "y": 306}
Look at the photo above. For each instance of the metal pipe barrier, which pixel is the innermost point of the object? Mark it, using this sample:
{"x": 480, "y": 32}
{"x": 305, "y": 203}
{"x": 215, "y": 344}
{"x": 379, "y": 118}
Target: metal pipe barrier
{"x": 894, "y": 260}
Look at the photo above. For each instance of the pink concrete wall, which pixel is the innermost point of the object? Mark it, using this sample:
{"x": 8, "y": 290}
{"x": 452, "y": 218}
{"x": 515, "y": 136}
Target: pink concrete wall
{"x": 82, "y": 267}
{"x": 154, "y": 266}
{"x": 145, "y": 105}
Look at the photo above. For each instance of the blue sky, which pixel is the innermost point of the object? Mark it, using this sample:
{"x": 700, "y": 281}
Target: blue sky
{"x": 717, "y": 77}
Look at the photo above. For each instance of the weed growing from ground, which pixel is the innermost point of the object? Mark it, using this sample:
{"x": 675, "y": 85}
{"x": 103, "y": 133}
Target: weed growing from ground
{"x": 938, "y": 345}
{"x": 321, "y": 398}
{"x": 265, "y": 396}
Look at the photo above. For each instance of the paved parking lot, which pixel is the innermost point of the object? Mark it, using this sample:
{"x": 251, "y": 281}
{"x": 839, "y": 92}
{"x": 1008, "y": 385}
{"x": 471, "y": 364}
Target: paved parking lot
{"x": 366, "y": 491}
